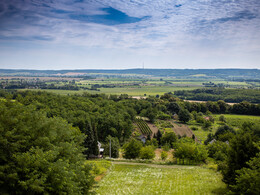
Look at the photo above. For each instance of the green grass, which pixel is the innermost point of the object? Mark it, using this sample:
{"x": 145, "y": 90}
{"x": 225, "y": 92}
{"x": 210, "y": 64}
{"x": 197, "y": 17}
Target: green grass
{"x": 236, "y": 121}
{"x": 201, "y": 134}
{"x": 143, "y": 179}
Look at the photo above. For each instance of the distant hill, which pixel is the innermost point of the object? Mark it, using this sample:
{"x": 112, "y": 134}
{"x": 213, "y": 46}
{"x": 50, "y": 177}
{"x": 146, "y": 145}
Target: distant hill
{"x": 232, "y": 74}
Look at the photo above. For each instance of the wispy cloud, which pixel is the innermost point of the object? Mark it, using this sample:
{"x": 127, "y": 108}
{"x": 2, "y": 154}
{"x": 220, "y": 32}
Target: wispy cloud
{"x": 162, "y": 27}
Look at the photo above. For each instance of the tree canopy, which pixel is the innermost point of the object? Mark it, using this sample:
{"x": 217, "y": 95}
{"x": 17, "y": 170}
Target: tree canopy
{"x": 39, "y": 154}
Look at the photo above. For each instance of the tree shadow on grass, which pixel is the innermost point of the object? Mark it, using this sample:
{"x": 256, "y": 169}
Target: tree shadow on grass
{"x": 220, "y": 191}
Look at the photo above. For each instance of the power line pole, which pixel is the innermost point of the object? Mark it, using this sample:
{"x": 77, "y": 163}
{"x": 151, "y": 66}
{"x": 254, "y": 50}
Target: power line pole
{"x": 110, "y": 148}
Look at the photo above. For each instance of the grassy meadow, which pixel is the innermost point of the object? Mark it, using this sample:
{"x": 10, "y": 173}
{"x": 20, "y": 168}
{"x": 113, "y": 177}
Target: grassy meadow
{"x": 158, "y": 179}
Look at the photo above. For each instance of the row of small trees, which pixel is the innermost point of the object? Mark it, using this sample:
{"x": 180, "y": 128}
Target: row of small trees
{"x": 186, "y": 151}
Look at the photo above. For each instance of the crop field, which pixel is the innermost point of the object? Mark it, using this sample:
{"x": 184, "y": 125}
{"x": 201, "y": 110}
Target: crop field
{"x": 144, "y": 128}
{"x": 158, "y": 179}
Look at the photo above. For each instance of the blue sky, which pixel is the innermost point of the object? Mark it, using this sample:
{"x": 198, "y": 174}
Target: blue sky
{"x": 121, "y": 34}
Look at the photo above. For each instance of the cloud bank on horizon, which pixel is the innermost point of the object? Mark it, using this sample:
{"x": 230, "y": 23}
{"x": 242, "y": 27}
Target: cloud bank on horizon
{"x": 112, "y": 34}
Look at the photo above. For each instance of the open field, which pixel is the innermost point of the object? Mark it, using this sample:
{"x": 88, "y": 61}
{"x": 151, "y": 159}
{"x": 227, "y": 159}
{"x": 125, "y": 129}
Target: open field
{"x": 132, "y": 91}
{"x": 236, "y": 121}
{"x": 157, "y": 179}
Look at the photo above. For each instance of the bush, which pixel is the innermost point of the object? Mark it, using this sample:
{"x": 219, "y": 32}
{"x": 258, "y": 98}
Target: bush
{"x": 147, "y": 152}
{"x": 132, "y": 149}
{"x": 191, "y": 152}
{"x": 184, "y": 115}
{"x": 222, "y": 119}
{"x": 194, "y": 128}
{"x": 164, "y": 155}
{"x": 169, "y": 137}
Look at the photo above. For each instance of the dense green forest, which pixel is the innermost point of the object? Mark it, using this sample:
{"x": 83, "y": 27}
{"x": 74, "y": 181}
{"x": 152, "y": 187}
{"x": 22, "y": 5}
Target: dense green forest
{"x": 215, "y": 94}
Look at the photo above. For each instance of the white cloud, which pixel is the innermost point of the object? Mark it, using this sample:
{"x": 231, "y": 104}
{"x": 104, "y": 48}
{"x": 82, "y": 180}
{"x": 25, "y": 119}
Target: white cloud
{"x": 174, "y": 27}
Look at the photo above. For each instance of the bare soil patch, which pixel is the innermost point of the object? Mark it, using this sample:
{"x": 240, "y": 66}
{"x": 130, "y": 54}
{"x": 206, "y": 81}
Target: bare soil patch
{"x": 153, "y": 128}
{"x": 182, "y": 129}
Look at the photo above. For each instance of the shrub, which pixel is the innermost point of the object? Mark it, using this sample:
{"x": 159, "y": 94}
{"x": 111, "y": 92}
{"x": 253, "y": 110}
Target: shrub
{"x": 147, "y": 152}
{"x": 164, "y": 155}
{"x": 132, "y": 149}
{"x": 169, "y": 137}
{"x": 222, "y": 118}
{"x": 184, "y": 115}
{"x": 194, "y": 128}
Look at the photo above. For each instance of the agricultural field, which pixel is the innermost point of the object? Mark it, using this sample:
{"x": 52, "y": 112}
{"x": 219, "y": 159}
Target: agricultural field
{"x": 127, "y": 178}
{"x": 235, "y": 121}
{"x": 238, "y": 120}
{"x": 131, "y": 91}
{"x": 133, "y": 86}
{"x": 144, "y": 128}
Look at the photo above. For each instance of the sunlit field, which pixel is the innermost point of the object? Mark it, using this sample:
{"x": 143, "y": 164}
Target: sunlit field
{"x": 145, "y": 179}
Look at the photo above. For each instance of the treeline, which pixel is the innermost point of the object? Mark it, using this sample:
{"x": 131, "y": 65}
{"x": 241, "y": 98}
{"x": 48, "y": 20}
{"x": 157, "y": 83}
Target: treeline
{"x": 215, "y": 94}
{"x": 42, "y": 85}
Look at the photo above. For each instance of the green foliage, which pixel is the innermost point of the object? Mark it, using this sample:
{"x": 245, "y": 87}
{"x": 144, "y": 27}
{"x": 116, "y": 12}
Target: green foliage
{"x": 153, "y": 142}
{"x": 166, "y": 146}
{"x": 242, "y": 149}
{"x": 132, "y": 149}
{"x": 114, "y": 147}
{"x": 168, "y": 137}
{"x": 191, "y": 152}
{"x": 164, "y": 155}
{"x": 248, "y": 178}
{"x": 99, "y": 166}
{"x": 150, "y": 113}
{"x": 207, "y": 124}
{"x": 95, "y": 115}
{"x": 40, "y": 155}
{"x": 147, "y": 152}
{"x": 184, "y": 115}
{"x": 224, "y": 133}
{"x": 222, "y": 119}
{"x": 163, "y": 116}
{"x": 218, "y": 150}
{"x": 173, "y": 107}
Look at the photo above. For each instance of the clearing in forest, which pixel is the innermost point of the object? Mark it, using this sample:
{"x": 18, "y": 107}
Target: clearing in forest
{"x": 129, "y": 178}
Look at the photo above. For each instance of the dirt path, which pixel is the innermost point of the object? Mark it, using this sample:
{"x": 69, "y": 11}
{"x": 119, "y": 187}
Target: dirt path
{"x": 156, "y": 165}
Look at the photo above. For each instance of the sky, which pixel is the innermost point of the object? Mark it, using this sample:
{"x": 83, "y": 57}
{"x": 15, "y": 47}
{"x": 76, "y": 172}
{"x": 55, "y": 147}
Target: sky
{"x": 126, "y": 34}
